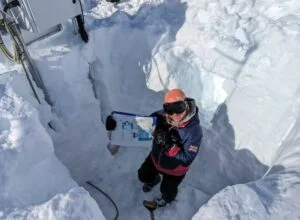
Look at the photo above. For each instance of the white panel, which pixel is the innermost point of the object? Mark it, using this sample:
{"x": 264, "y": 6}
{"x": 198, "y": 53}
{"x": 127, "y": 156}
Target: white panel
{"x": 133, "y": 130}
{"x": 48, "y": 13}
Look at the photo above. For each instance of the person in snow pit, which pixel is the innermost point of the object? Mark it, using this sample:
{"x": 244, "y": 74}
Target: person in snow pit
{"x": 176, "y": 142}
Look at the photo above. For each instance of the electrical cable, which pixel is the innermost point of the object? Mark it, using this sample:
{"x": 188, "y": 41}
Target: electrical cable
{"x": 18, "y": 56}
{"x": 107, "y": 196}
{"x": 5, "y": 51}
{"x": 12, "y": 57}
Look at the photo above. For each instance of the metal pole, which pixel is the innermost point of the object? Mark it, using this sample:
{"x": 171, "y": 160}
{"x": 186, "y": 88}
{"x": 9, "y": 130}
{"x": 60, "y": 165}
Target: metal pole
{"x": 25, "y": 57}
{"x": 152, "y": 215}
{"x": 30, "y": 64}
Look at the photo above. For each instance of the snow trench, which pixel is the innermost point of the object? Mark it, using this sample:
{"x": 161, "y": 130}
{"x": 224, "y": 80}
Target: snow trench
{"x": 243, "y": 170}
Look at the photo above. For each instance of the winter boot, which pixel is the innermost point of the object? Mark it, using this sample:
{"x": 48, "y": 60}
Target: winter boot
{"x": 160, "y": 202}
{"x": 151, "y": 205}
{"x": 147, "y": 187}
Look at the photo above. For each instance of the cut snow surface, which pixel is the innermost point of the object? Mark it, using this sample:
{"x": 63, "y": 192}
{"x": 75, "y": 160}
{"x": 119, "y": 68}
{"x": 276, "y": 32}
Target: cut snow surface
{"x": 239, "y": 60}
{"x": 74, "y": 204}
{"x": 30, "y": 172}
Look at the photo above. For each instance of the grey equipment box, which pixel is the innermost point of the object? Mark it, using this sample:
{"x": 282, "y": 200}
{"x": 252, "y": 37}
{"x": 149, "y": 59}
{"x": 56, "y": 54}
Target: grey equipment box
{"x": 37, "y": 18}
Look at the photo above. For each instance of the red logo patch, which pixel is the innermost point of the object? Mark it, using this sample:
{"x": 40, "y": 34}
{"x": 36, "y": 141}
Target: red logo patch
{"x": 193, "y": 148}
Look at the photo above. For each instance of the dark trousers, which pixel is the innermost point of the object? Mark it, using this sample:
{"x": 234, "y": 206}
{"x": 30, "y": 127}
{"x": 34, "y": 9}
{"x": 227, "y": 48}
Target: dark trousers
{"x": 169, "y": 185}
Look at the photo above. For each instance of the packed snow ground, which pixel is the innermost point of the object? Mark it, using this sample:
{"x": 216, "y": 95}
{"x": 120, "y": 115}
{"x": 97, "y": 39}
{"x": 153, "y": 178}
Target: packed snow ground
{"x": 239, "y": 59}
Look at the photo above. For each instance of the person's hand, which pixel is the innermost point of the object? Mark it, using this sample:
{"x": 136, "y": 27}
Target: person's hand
{"x": 160, "y": 137}
{"x": 167, "y": 139}
{"x": 174, "y": 137}
{"x": 110, "y": 123}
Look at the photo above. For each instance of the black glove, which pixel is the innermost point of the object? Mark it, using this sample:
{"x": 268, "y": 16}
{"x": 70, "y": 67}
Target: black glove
{"x": 160, "y": 137}
{"x": 167, "y": 139}
{"x": 173, "y": 138}
{"x": 110, "y": 123}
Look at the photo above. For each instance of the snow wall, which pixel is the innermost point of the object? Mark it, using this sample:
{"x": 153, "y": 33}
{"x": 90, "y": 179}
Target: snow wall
{"x": 228, "y": 65}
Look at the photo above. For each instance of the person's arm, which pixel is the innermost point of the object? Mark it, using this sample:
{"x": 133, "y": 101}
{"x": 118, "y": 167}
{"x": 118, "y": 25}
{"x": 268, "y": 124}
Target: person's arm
{"x": 159, "y": 119}
{"x": 191, "y": 146}
{"x": 157, "y": 113}
{"x": 187, "y": 148}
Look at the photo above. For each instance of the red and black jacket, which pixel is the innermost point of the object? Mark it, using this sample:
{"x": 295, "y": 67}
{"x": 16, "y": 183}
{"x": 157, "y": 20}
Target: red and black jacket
{"x": 177, "y": 157}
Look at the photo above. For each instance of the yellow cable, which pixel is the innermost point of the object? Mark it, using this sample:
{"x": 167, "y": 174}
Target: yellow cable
{"x": 12, "y": 57}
